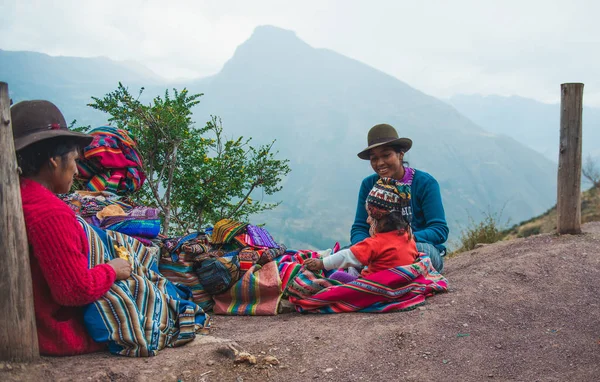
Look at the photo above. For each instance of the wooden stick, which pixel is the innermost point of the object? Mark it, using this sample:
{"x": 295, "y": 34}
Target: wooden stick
{"x": 568, "y": 206}
{"x": 18, "y": 334}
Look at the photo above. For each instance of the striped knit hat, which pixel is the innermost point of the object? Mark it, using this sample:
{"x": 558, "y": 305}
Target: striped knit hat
{"x": 385, "y": 197}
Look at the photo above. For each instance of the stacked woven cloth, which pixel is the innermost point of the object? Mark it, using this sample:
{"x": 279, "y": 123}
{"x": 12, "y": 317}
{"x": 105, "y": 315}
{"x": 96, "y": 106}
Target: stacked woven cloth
{"x": 179, "y": 255}
{"x": 113, "y": 212}
{"x": 111, "y": 162}
{"x": 225, "y": 231}
{"x": 255, "y": 244}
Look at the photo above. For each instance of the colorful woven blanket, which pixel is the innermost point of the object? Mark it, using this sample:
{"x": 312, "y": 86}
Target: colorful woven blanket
{"x": 396, "y": 289}
{"x": 257, "y": 293}
{"x": 179, "y": 269}
{"x": 145, "y": 313}
{"x": 111, "y": 162}
{"x": 290, "y": 264}
{"x": 260, "y": 237}
{"x": 225, "y": 230}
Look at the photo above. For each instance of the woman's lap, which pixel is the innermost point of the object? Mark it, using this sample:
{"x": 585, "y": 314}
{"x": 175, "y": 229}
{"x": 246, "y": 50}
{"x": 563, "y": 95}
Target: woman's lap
{"x": 434, "y": 254}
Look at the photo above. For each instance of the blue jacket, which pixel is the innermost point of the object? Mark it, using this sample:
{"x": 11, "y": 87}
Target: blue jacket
{"x": 428, "y": 221}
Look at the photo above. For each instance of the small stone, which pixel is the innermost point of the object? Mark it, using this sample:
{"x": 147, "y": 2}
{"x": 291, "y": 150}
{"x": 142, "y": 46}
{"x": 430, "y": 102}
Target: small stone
{"x": 8, "y": 366}
{"x": 465, "y": 324}
{"x": 422, "y": 308}
{"x": 498, "y": 346}
{"x": 329, "y": 370}
{"x": 490, "y": 375}
{"x": 245, "y": 357}
{"x": 210, "y": 362}
{"x": 270, "y": 360}
{"x": 302, "y": 371}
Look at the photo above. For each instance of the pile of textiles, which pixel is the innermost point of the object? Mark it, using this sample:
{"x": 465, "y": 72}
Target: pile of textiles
{"x": 111, "y": 162}
{"x": 213, "y": 262}
{"x": 113, "y": 212}
{"x": 177, "y": 261}
{"x": 145, "y": 313}
{"x": 254, "y": 244}
{"x": 396, "y": 289}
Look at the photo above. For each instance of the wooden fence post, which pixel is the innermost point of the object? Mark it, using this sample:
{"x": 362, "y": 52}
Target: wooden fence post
{"x": 568, "y": 204}
{"x": 18, "y": 334}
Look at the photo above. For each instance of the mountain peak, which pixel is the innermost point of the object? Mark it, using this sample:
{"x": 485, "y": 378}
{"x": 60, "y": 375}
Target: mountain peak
{"x": 273, "y": 34}
{"x": 272, "y": 38}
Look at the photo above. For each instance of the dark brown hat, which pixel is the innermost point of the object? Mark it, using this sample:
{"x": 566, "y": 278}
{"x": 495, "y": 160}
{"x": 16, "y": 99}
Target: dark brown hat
{"x": 384, "y": 134}
{"x": 34, "y": 121}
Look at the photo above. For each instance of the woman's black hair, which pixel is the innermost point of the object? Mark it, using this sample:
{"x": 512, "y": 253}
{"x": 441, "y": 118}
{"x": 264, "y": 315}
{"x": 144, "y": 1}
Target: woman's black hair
{"x": 399, "y": 149}
{"x": 394, "y": 221}
{"x": 32, "y": 158}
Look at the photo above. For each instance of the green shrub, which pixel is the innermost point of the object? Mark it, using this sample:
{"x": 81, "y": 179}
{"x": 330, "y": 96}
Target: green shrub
{"x": 487, "y": 231}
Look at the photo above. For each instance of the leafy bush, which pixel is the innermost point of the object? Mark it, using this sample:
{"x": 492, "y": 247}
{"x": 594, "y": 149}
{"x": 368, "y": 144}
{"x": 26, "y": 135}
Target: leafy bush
{"x": 487, "y": 231}
{"x": 194, "y": 175}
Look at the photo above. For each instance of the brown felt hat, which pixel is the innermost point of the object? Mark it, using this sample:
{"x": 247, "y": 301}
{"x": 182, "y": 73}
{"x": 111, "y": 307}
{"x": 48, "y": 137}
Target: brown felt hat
{"x": 34, "y": 121}
{"x": 384, "y": 134}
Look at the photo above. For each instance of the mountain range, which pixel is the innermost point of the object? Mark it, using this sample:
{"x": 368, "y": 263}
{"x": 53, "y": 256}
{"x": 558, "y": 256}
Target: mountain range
{"x": 318, "y": 105}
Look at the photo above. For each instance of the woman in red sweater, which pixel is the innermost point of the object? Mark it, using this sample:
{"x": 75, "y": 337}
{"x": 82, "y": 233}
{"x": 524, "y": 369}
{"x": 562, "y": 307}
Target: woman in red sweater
{"x": 62, "y": 282}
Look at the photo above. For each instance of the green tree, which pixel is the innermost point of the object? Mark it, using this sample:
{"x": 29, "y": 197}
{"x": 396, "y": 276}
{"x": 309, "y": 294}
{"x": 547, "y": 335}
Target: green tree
{"x": 194, "y": 175}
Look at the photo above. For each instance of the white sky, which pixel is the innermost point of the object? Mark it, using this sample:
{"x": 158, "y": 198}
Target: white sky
{"x": 525, "y": 48}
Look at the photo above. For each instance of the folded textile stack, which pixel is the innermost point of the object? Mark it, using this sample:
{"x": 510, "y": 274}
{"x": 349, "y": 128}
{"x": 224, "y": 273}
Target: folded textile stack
{"x": 113, "y": 212}
{"x": 111, "y": 162}
{"x": 177, "y": 264}
{"x": 225, "y": 231}
{"x": 138, "y": 222}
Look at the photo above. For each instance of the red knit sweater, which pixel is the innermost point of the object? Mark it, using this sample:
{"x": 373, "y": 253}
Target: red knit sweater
{"x": 62, "y": 282}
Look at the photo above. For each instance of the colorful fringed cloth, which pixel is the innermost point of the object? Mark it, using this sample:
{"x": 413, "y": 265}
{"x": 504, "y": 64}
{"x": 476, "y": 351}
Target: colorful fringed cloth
{"x": 111, "y": 162}
{"x": 181, "y": 271}
{"x": 225, "y": 230}
{"x": 257, "y": 293}
{"x": 290, "y": 264}
{"x": 260, "y": 237}
{"x": 139, "y": 316}
{"x": 396, "y": 289}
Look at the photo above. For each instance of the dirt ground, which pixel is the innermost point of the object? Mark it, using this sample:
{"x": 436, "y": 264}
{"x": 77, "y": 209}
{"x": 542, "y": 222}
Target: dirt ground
{"x": 521, "y": 310}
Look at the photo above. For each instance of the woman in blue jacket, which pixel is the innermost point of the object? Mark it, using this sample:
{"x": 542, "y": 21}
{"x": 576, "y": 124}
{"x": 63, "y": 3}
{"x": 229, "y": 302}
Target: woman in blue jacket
{"x": 386, "y": 152}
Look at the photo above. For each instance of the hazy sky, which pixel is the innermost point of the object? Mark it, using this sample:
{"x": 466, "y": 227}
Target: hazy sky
{"x": 443, "y": 48}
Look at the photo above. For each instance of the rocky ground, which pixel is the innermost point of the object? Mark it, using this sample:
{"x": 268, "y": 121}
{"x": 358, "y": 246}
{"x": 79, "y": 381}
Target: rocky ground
{"x": 520, "y": 310}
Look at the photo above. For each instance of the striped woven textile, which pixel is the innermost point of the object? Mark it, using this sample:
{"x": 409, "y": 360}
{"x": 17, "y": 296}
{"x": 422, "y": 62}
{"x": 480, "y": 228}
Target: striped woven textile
{"x": 260, "y": 237}
{"x": 225, "y": 230}
{"x": 111, "y": 162}
{"x": 181, "y": 271}
{"x": 139, "y": 316}
{"x": 290, "y": 264}
{"x": 257, "y": 293}
{"x": 396, "y": 289}
{"x": 144, "y": 228}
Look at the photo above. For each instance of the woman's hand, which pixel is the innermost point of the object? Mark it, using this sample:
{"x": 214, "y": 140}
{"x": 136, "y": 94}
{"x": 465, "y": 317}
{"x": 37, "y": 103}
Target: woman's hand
{"x": 122, "y": 268}
{"x": 313, "y": 264}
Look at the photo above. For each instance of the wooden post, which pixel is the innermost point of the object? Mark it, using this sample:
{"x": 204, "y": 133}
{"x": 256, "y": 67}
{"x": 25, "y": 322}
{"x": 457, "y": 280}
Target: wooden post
{"x": 18, "y": 334}
{"x": 568, "y": 205}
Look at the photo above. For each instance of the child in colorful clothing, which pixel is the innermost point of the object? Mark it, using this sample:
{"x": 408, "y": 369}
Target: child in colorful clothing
{"x": 391, "y": 243}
